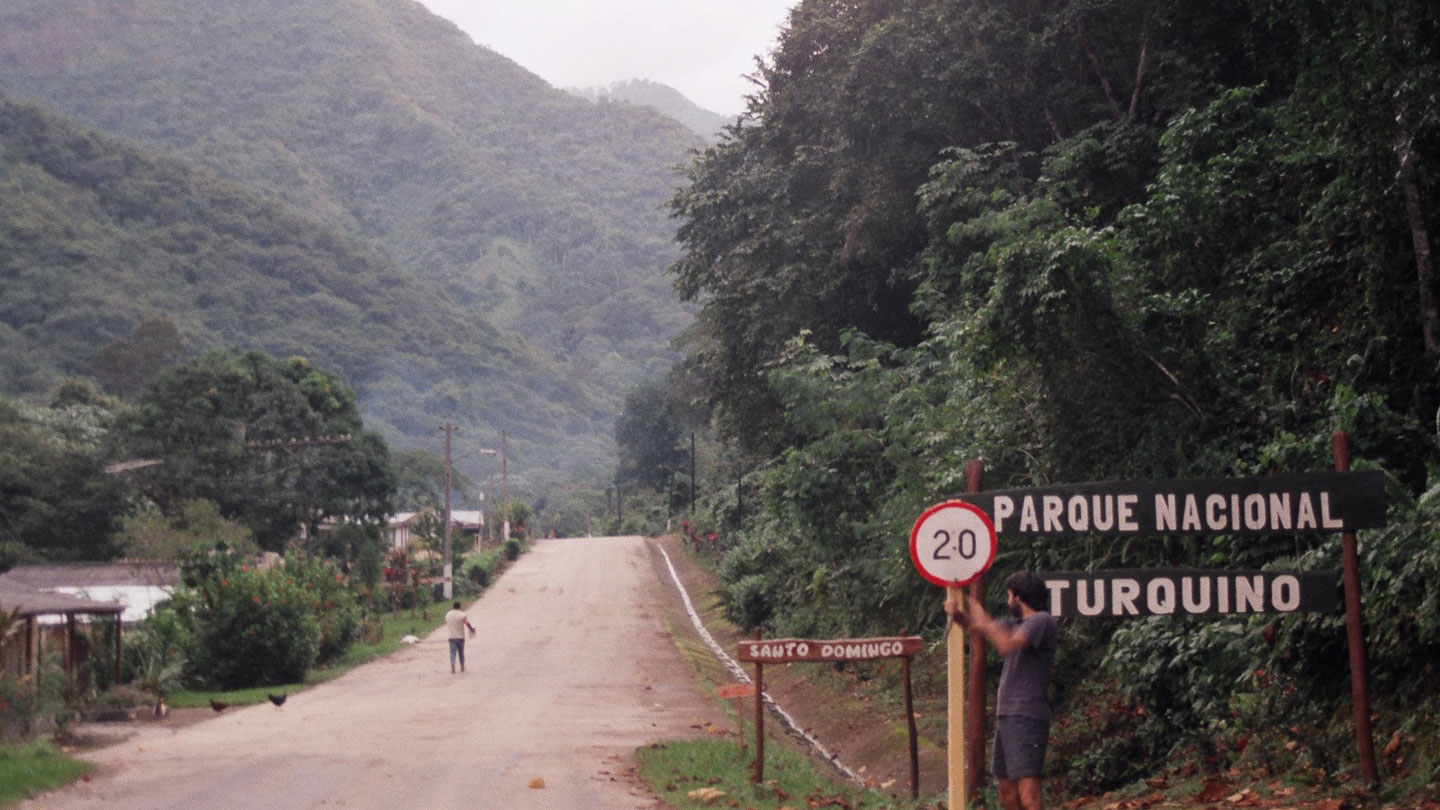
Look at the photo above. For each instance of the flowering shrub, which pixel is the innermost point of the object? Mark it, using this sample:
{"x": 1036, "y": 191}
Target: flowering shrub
{"x": 249, "y": 627}
{"x": 329, "y": 596}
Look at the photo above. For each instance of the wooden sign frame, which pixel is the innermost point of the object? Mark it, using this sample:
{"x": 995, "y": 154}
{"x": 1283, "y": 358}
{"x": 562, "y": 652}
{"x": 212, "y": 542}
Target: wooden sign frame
{"x": 798, "y": 650}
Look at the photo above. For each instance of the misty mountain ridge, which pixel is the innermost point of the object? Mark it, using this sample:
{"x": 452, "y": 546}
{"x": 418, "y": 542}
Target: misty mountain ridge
{"x": 536, "y": 214}
{"x": 663, "y": 98}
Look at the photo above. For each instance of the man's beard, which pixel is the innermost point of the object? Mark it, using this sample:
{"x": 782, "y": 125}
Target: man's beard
{"x": 1015, "y": 609}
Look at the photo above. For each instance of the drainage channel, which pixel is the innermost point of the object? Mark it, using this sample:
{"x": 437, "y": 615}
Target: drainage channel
{"x": 791, "y": 727}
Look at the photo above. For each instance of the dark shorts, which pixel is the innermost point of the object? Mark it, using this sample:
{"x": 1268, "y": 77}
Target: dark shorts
{"x": 1020, "y": 747}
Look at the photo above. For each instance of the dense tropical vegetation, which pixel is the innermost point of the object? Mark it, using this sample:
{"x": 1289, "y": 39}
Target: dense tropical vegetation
{"x": 1079, "y": 241}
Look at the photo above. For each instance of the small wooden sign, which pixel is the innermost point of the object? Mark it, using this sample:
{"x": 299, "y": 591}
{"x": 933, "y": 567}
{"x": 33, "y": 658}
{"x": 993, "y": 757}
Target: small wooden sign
{"x": 736, "y": 690}
{"x": 785, "y": 650}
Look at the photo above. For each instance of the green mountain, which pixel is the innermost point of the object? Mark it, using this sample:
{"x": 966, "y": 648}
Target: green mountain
{"x": 99, "y": 236}
{"x": 662, "y": 98}
{"x": 535, "y": 213}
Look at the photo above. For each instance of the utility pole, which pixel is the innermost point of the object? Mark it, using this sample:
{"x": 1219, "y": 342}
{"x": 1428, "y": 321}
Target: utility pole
{"x": 449, "y": 558}
{"x": 692, "y": 473}
{"x": 504, "y": 487}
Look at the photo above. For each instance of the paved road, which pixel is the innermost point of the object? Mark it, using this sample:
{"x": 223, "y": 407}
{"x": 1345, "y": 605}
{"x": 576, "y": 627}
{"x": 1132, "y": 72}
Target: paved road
{"x": 572, "y": 671}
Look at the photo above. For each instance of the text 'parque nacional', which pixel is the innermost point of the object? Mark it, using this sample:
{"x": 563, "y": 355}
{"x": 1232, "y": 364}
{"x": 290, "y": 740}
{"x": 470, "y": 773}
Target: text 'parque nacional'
{"x": 1307, "y": 502}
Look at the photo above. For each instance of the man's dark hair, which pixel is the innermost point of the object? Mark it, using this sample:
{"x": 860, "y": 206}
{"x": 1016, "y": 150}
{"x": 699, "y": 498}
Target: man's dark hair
{"x": 457, "y": 605}
{"x": 1030, "y": 588}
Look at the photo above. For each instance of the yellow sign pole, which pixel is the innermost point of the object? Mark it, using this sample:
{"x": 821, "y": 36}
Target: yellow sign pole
{"x": 955, "y": 676}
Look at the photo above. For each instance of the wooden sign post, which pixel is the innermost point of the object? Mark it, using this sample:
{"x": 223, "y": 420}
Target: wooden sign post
{"x": 789, "y": 650}
{"x": 952, "y": 545}
{"x": 737, "y": 692}
{"x": 958, "y": 786}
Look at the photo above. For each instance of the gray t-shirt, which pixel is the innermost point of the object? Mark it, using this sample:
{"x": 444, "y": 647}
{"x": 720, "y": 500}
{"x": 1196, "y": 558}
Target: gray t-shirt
{"x": 1026, "y": 675}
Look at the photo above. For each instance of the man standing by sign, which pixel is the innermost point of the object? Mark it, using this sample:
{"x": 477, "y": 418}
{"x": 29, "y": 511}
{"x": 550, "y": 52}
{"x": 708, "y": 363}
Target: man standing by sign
{"x": 1027, "y": 641}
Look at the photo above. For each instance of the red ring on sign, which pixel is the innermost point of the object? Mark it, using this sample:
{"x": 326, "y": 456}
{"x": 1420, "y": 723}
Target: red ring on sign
{"x": 915, "y": 536}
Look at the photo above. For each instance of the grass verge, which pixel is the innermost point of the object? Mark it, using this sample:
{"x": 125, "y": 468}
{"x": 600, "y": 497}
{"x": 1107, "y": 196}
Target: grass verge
{"x": 29, "y": 769}
{"x": 392, "y": 628}
{"x": 694, "y": 774}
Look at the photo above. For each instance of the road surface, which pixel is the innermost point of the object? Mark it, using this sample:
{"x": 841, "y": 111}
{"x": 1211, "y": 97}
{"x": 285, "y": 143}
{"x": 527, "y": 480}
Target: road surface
{"x": 573, "y": 670}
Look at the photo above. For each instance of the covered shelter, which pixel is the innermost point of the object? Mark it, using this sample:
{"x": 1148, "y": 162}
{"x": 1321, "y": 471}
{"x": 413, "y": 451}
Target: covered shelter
{"x": 31, "y": 604}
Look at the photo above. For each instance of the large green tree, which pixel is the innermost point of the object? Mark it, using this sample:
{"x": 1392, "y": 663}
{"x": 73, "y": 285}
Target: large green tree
{"x": 56, "y": 500}
{"x": 279, "y": 446}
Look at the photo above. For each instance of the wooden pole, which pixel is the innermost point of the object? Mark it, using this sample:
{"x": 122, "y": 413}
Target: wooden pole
{"x": 759, "y": 719}
{"x": 975, "y": 697}
{"x": 958, "y": 794}
{"x": 910, "y": 725}
{"x": 1355, "y": 631}
{"x": 740, "y": 719}
{"x": 118, "y": 624}
{"x": 447, "y": 587}
{"x": 68, "y": 656}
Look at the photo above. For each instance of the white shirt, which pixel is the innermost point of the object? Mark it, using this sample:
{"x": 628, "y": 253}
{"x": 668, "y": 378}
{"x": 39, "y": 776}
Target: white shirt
{"x": 455, "y": 623}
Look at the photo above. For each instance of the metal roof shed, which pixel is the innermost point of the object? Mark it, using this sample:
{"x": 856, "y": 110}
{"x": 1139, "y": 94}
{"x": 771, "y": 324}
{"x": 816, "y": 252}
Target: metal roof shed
{"x": 32, "y": 603}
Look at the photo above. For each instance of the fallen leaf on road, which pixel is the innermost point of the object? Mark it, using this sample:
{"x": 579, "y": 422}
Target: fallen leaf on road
{"x": 707, "y": 795}
{"x": 537, "y": 783}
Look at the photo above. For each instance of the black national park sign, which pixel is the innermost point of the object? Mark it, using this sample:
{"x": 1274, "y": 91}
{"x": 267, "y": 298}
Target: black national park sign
{"x": 1127, "y": 594}
{"x": 1304, "y": 502}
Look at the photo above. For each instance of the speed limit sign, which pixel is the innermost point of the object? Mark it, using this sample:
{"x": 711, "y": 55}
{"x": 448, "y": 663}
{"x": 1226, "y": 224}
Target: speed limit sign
{"x": 952, "y": 543}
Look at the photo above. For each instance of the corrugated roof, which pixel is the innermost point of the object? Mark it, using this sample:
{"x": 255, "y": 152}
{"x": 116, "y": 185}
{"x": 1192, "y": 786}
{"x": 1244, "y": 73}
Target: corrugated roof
{"x": 91, "y": 575}
{"x": 28, "y": 601}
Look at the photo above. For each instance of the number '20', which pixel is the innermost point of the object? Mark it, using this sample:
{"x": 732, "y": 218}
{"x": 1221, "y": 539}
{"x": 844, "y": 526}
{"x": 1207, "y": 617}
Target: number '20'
{"x": 965, "y": 544}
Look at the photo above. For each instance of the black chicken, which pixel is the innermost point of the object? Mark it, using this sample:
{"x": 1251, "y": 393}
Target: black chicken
{"x": 218, "y": 706}
{"x": 278, "y": 700}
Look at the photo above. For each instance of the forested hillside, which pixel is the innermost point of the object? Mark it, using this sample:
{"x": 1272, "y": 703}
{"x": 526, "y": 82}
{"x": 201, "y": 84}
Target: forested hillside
{"x": 100, "y": 237}
{"x": 1081, "y": 242}
{"x": 536, "y": 213}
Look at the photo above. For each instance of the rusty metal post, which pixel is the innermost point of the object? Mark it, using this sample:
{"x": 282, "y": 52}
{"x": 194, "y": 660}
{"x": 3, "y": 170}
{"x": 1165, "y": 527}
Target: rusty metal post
{"x": 975, "y": 697}
{"x": 910, "y": 725}
{"x": 1355, "y": 631}
{"x": 759, "y": 719}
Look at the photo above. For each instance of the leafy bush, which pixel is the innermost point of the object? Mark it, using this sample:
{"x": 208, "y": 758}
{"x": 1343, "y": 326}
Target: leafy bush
{"x": 335, "y": 608}
{"x": 34, "y": 703}
{"x": 252, "y": 628}
{"x": 246, "y": 626}
{"x": 117, "y": 703}
{"x": 747, "y": 602}
{"x": 512, "y": 548}
{"x": 479, "y": 568}
{"x": 156, "y": 652}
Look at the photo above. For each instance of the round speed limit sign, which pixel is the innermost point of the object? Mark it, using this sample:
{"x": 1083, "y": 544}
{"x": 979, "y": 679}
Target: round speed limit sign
{"x": 953, "y": 543}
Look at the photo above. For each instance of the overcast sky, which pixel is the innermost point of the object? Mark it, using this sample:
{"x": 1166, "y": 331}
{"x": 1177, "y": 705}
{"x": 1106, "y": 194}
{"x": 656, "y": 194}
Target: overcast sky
{"x": 703, "y": 48}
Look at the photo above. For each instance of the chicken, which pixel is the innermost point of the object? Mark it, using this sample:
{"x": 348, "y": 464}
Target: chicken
{"x": 218, "y": 706}
{"x": 278, "y": 700}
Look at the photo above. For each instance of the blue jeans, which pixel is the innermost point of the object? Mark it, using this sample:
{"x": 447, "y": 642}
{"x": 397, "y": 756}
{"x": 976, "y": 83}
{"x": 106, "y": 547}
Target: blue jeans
{"x": 457, "y": 648}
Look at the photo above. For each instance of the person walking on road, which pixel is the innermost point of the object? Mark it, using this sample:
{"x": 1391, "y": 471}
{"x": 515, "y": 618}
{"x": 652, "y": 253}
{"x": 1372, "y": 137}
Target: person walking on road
{"x": 456, "y": 622}
{"x": 1026, "y": 640}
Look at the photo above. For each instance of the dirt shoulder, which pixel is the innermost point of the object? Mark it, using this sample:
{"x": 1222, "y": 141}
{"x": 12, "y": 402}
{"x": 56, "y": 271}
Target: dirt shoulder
{"x": 867, "y": 738}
